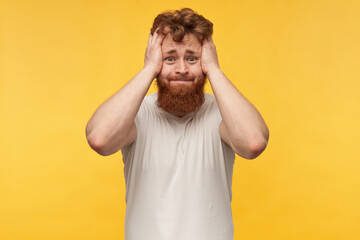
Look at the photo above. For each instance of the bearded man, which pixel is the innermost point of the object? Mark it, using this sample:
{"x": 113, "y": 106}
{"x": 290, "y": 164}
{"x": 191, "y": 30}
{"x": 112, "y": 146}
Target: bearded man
{"x": 178, "y": 144}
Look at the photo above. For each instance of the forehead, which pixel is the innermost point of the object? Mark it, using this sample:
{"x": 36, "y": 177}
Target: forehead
{"x": 189, "y": 42}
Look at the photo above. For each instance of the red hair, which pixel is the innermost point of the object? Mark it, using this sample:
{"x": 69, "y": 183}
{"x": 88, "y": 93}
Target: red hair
{"x": 181, "y": 22}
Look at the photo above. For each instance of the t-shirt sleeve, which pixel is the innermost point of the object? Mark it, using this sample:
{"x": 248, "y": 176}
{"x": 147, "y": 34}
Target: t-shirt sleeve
{"x": 227, "y": 149}
{"x": 138, "y": 123}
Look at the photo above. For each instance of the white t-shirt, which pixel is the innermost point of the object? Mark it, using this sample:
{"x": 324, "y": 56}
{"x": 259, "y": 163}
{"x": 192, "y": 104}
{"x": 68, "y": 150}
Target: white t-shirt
{"x": 178, "y": 175}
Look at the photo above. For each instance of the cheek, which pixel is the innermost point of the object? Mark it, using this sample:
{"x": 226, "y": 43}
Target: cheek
{"x": 197, "y": 70}
{"x": 164, "y": 71}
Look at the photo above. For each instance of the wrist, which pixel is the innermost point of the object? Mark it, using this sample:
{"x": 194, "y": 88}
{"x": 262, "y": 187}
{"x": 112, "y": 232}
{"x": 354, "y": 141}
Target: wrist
{"x": 213, "y": 72}
{"x": 151, "y": 71}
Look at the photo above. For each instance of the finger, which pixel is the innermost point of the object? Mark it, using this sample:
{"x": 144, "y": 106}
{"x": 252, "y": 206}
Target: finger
{"x": 149, "y": 40}
{"x": 205, "y": 41}
{"x": 212, "y": 41}
{"x": 160, "y": 38}
{"x": 155, "y": 34}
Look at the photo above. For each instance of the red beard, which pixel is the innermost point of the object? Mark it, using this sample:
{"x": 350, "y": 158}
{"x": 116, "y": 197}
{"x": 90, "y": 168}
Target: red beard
{"x": 181, "y": 99}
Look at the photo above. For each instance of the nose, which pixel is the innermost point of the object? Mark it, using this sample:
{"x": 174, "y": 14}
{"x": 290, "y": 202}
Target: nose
{"x": 181, "y": 67}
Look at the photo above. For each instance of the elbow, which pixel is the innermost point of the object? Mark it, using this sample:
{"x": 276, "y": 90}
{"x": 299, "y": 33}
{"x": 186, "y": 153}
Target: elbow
{"x": 256, "y": 148}
{"x": 96, "y": 143}
{"x": 253, "y": 150}
{"x": 258, "y": 145}
{"x": 97, "y": 146}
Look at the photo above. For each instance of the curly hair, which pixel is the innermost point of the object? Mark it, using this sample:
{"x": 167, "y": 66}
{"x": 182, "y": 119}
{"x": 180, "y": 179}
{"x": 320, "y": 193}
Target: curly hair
{"x": 180, "y": 22}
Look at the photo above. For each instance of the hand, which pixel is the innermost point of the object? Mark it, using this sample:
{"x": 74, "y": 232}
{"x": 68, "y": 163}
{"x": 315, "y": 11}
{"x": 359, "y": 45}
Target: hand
{"x": 209, "y": 58}
{"x": 153, "y": 54}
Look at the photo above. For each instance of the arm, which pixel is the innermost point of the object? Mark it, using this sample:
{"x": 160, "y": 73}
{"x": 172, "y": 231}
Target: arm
{"x": 242, "y": 126}
{"x": 112, "y": 125}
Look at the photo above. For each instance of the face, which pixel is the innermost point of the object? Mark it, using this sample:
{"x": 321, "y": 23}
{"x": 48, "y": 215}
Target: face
{"x": 181, "y": 61}
{"x": 181, "y": 80}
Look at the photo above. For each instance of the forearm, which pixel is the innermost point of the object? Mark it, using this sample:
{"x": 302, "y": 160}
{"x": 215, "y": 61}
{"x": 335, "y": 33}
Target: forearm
{"x": 244, "y": 123}
{"x": 114, "y": 118}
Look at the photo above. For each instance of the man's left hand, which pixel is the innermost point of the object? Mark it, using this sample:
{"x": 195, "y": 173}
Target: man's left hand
{"x": 209, "y": 58}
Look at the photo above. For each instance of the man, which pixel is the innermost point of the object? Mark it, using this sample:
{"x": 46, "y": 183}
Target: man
{"x": 178, "y": 144}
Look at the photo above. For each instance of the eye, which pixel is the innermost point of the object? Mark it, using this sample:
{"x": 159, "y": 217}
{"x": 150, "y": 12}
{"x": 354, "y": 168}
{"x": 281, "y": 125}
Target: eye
{"x": 192, "y": 59}
{"x": 169, "y": 59}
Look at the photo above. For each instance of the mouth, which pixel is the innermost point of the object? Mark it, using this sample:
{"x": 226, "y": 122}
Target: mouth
{"x": 181, "y": 80}
{"x": 185, "y": 82}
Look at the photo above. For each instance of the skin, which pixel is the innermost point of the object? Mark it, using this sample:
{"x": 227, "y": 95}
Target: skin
{"x": 181, "y": 61}
{"x": 112, "y": 125}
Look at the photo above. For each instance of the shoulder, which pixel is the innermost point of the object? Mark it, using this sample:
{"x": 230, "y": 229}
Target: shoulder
{"x": 210, "y": 103}
{"x": 209, "y": 112}
{"x": 210, "y": 100}
{"x": 148, "y": 103}
{"x": 150, "y": 99}
{"x": 209, "y": 97}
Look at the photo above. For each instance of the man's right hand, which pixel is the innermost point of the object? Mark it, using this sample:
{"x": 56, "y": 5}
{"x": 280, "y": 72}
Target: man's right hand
{"x": 153, "y": 54}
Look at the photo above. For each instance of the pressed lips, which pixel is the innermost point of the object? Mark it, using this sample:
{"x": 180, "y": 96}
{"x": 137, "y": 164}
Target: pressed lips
{"x": 183, "y": 79}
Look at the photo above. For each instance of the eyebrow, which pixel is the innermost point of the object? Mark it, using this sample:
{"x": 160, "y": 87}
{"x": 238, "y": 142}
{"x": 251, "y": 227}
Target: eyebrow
{"x": 174, "y": 51}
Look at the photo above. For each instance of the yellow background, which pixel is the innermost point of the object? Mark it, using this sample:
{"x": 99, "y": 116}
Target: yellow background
{"x": 296, "y": 61}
